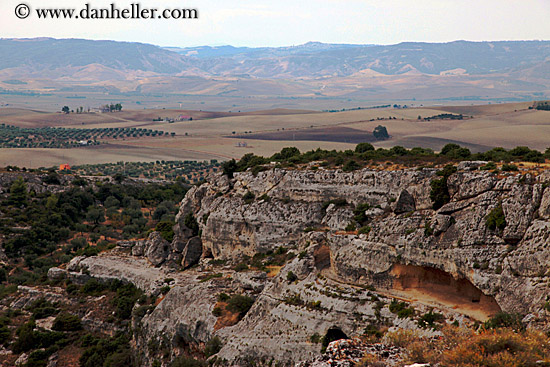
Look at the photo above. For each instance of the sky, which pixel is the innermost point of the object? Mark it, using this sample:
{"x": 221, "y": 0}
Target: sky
{"x": 257, "y": 23}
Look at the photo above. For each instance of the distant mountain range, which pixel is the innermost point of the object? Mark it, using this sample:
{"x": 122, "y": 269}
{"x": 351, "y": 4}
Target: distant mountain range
{"x": 309, "y": 60}
{"x": 461, "y": 69}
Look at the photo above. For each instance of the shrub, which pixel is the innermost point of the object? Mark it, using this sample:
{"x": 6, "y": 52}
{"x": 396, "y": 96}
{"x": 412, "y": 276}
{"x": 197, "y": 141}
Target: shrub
{"x": 291, "y": 277}
{"x": 191, "y": 223}
{"x": 489, "y": 166}
{"x": 505, "y": 320}
{"x": 217, "y": 311}
{"x": 67, "y": 322}
{"x": 363, "y": 147}
{"x": 315, "y": 338}
{"x": 183, "y": 361}
{"x": 359, "y": 213}
{"x": 401, "y": 309}
{"x": 509, "y": 167}
{"x": 164, "y": 290}
{"x": 380, "y": 133}
{"x": 429, "y": 319}
{"x": 240, "y": 304}
{"x": 166, "y": 230}
{"x": 439, "y": 194}
{"x": 364, "y": 230}
{"x": 213, "y": 346}
{"x": 496, "y": 219}
{"x": 350, "y": 166}
{"x": 248, "y": 197}
{"x": 241, "y": 267}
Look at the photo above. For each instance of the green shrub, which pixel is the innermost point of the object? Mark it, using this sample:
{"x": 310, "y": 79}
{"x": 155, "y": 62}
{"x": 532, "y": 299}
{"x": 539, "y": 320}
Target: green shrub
{"x": 439, "y": 194}
{"x": 191, "y": 223}
{"x": 496, "y": 219}
{"x": 350, "y": 227}
{"x": 67, "y": 322}
{"x": 213, "y": 346}
{"x": 291, "y": 277}
{"x": 509, "y": 167}
{"x": 363, "y": 147}
{"x": 364, "y": 230}
{"x": 241, "y": 267}
{"x": 249, "y": 197}
{"x": 183, "y": 361}
{"x": 429, "y": 319}
{"x": 359, "y": 212}
{"x": 351, "y": 165}
{"x": 240, "y": 304}
{"x": 505, "y": 320}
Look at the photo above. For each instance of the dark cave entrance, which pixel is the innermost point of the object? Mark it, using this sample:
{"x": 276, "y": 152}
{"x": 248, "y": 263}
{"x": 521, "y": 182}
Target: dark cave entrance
{"x": 333, "y": 334}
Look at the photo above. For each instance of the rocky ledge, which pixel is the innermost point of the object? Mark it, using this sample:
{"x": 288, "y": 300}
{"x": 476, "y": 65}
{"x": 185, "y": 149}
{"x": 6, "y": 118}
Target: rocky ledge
{"x": 351, "y": 242}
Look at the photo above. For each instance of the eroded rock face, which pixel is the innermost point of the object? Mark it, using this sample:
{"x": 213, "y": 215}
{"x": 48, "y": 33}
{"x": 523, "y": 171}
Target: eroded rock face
{"x": 404, "y": 246}
{"x": 455, "y": 239}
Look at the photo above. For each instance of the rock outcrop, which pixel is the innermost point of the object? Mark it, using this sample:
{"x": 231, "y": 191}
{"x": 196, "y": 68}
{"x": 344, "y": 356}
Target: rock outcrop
{"x": 452, "y": 258}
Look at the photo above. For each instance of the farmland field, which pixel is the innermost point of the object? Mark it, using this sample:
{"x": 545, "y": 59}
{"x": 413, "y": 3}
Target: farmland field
{"x": 225, "y": 135}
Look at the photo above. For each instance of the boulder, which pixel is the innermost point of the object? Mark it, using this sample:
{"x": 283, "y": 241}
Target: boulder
{"x": 405, "y": 203}
{"x": 157, "y": 249}
{"x": 192, "y": 252}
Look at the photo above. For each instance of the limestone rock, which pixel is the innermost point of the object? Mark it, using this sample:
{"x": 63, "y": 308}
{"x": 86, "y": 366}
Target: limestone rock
{"x": 192, "y": 252}
{"x": 157, "y": 249}
{"x": 405, "y": 203}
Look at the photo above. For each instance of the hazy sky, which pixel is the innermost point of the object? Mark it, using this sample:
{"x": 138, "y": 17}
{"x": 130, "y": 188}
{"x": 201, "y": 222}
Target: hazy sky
{"x": 292, "y": 22}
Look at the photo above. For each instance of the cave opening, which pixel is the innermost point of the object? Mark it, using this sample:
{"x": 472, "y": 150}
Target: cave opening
{"x": 334, "y": 333}
{"x": 431, "y": 284}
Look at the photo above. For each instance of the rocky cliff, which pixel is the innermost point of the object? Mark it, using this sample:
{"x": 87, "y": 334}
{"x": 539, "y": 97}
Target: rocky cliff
{"x": 353, "y": 241}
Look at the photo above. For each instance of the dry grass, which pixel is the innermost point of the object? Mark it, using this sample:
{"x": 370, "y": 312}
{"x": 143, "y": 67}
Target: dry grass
{"x": 506, "y": 125}
{"x": 464, "y": 347}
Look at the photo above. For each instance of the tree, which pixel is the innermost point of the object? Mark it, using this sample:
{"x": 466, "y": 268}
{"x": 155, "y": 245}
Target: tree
{"x": 18, "y": 192}
{"x": 380, "y": 133}
{"x": 363, "y": 147}
{"x": 65, "y": 109}
{"x": 95, "y": 215}
{"x": 229, "y": 167}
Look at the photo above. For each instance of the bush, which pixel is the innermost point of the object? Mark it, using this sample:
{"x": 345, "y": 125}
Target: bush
{"x": 67, "y": 322}
{"x": 291, "y": 277}
{"x": 509, "y": 167}
{"x": 166, "y": 230}
{"x": 364, "y": 230}
{"x": 213, "y": 346}
{"x": 241, "y": 267}
{"x": 191, "y": 223}
{"x": 380, "y": 133}
{"x": 439, "y": 194}
{"x": 248, "y": 197}
{"x": 187, "y": 362}
{"x": 351, "y": 165}
{"x": 429, "y": 319}
{"x": 505, "y": 320}
{"x": 363, "y": 147}
{"x": 359, "y": 213}
{"x": 240, "y": 304}
{"x": 496, "y": 219}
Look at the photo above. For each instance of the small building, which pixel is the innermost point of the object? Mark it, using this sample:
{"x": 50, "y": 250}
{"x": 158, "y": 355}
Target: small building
{"x": 64, "y": 167}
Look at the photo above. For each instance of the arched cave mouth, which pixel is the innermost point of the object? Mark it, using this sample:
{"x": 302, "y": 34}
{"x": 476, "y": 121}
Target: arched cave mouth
{"x": 334, "y": 333}
{"x": 321, "y": 254}
{"x": 431, "y": 284}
